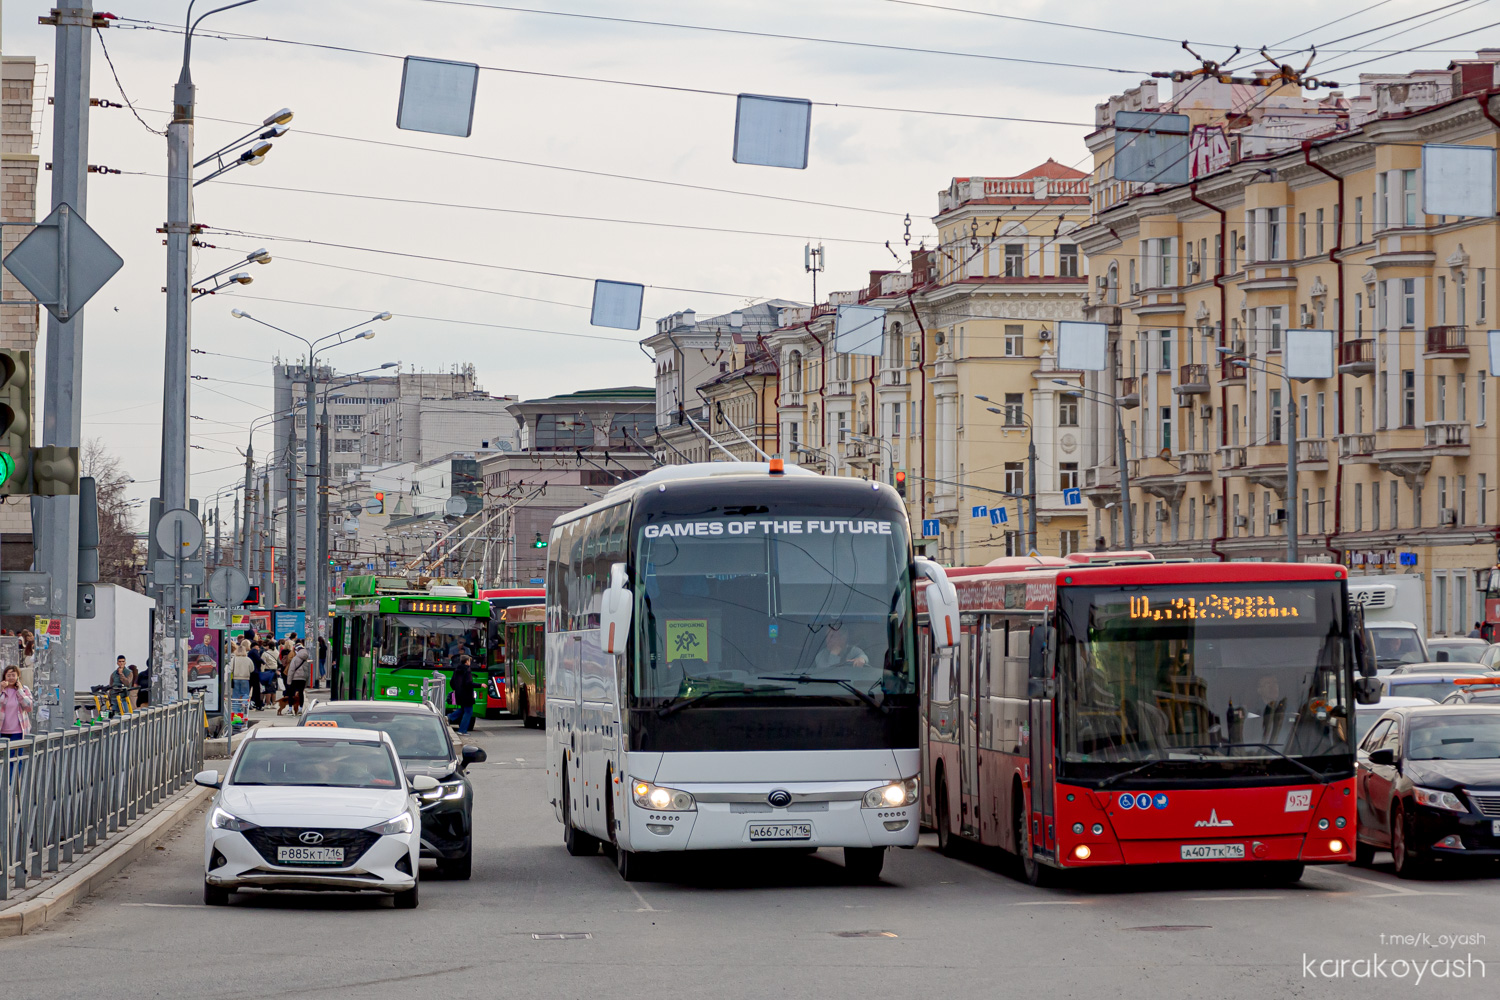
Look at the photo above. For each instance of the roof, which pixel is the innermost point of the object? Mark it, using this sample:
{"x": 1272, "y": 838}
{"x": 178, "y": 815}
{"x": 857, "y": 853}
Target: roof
{"x": 1049, "y": 169}
{"x": 631, "y": 393}
{"x": 316, "y": 733}
{"x": 408, "y": 707}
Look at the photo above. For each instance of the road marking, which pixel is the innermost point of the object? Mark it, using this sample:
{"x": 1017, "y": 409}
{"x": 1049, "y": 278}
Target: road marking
{"x": 1228, "y": 899}
{"x": 166, "y": 906}
{"x": 1051, "y": 902}
{"x": 1390, "y": 888}
{"x": 645, "y": 906}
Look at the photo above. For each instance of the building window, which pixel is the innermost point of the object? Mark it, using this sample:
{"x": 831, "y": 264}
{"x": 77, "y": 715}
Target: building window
{"x": 1166, "y": 350}
{"x": 1395, "y": 504}
{"x": 1275, "y": 249}
{"x": 1013, "y": 543}
{"x": 794, "y": 371}
{"x": 1067, "y": 412}
{"x": 1015, "y": 260}
{"x": 1359, "y": 313}
{"x": 1069, "y": 541}
{"x": 1442, "y": 397}
{"x": 1067, "y": 260}
{"x": 1409, "y": 196}
{"x": 1359, "y": 410}
{"x": 1301, "y": 234}
{"x": 1479, "y": 410}
{"x": 1276, "y": 437}
{"x": 1322, "y": 416}
{"x": 1015, "y": 478}
{"x": 1359, "y": 507}
{"x": 1322, "y": 510}
{"x": 1359, "y": 220}
{"x": 1192, "y": 517}
{"x": 1306, "y": 520}
{"x": 1442, "y": 492}
{"x": 1067, "y": 476}
{"x": 345, "y": 445}
{"x": 1166, "y": 429}
{"x": 1442, "y": 301}
{"x": 1463, "y": 499}
{"x": 1015, "y": 340}
{"x": 1318, "y": 230}
{"x": 1484, "y": 501}
{"x": 1374, "y": 506}
{"x": 1483, "y": 305}
{"x": 1275, "y": 319}
{"x": 1166, "y": 256}
{"x": 345, "y": 421}
{"x": 1015, "y": 409}
{"x": 1440, "y": 603}
{"x": 563, "y": 432}
{"x": 1408, "y": 398}
{"x": 895, "y": 420}
{"x": 1382, "y": 200}
{"x": 1408, "y": 302}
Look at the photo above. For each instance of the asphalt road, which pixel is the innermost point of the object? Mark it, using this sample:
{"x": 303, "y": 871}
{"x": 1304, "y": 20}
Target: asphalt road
{"x": 534, "y": 922}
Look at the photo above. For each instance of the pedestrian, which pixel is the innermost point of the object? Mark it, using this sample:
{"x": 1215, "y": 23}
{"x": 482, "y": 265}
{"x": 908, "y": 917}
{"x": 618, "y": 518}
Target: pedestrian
{"x": 322, "y": 661}
{"x": 298, "y": 672}
{"x": 143, "y": 681}
{"x": 28, "y": 648}
{"x": 240, "y": 669}
{"x": 122, "y": 677}
{"x": 1478, "y": 631}
{"x": 1100, "y": 545}
{"x": 463, "y": 693}
{"x": 270, "y": 676}
{"x": 257, "y": 700}
{"x": 15, "y": 705}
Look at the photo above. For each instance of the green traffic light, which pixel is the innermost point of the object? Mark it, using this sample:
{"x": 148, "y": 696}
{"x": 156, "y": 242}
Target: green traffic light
{"x": 7, "y": 467}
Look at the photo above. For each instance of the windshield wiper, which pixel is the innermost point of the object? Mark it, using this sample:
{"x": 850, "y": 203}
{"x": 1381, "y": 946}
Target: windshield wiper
{"x": 843, "y": 682}
{"x": 1134, "y": 770}
{"x": 1322, "y": 778}
{"x": 678, "y": 704}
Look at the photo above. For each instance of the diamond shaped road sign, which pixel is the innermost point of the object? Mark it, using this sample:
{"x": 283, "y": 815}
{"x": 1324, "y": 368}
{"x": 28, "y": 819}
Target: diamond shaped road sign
{"x": 63, "y": 262}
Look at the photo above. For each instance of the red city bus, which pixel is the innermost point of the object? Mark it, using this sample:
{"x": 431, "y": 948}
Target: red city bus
{"x": 496, "y": 688}
{"x": 1105, "y": 711}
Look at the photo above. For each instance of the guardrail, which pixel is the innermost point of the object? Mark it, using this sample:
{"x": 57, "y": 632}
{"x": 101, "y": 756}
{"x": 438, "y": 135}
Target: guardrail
{"x": 66, "y": 792}
{"x": 435, "y": 692}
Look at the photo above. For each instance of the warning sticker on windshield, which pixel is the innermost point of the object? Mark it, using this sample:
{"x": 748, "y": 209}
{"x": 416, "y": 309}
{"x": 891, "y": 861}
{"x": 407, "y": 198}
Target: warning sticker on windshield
{"x": 687, "y": 639}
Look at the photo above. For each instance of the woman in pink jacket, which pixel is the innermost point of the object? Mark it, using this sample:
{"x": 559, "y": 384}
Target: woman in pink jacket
{"x": 15, "y": 705}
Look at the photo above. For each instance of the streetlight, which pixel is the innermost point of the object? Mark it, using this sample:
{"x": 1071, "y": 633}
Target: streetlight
{"x": 314, "y": 602}
{"x": 1030, "y": 495}
{"x": 1122, "y": 457}
{"x": 1291, "y": 447}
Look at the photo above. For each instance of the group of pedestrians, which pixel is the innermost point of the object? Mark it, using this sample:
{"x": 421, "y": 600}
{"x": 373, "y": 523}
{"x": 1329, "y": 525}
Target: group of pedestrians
{"x": 270, "y": 671}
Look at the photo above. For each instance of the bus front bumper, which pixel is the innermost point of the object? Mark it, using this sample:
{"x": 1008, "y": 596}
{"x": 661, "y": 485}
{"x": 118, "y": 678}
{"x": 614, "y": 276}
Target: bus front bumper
{"x": 741, "y": 817}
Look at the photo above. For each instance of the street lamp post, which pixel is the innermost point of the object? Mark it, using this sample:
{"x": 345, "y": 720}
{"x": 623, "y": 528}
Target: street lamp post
{"x": 314, "y": 603}
{"x": 1292, "y": 554}
{"x": 881, "y": 443}
{"x": 1030, "y": 465}
{"x": 1122, "y": 456}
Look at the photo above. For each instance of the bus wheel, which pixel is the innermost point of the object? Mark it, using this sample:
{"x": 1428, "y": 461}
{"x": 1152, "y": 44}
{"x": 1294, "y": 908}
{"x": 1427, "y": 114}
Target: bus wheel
{"x": 521, "y": 709}
{"x": 947, "y": 843}
{"x": 578, "y": 843}
{"x": 1281, "y": 872}
{"x": 1032, "y": 870}
{"x": 633, "y": 866}
{"x": 864, "y": 863}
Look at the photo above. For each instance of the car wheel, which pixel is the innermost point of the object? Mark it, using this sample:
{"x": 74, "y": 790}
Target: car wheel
{"x": 1032, "y": 870}
{"x": 633, "y": 866}
{"x": 407, "y": 899}
{"x": 864, "y": 864}
{"x": 215, "y": 895}
{"x": 460, "y": 868}
{"x": 1408, "y": 865}
{"x": 578, "y": 843}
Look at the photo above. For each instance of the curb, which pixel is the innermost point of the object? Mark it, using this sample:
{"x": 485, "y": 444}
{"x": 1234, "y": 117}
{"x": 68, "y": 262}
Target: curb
{"x": 37, "y": 912}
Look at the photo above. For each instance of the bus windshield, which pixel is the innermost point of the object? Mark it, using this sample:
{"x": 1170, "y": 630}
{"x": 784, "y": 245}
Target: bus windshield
{"x": 429, "y": 641}
{"x": 774, "y": 606}
{"x": 1221, "y": 672}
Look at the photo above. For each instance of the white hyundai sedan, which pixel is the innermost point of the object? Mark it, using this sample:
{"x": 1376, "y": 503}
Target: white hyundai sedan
{"x": 307, "y": 808}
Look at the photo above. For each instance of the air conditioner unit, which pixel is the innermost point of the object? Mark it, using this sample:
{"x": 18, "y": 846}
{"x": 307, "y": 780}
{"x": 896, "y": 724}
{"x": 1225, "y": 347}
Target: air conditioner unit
{"x": 1237, "y": 347}
{"x": 1447, "y": 516}
{"x": 1206, "y": 411}
{"x": 1241, "y": 521}
{"x": 1101, "y": 282}
{"x": 1164, "y": 515}
{"x": 1193, "y": 267}
{"x": 1279, "y": 516}
{"x": 1044, "y": 335}
{"x": 1135, "y": 288}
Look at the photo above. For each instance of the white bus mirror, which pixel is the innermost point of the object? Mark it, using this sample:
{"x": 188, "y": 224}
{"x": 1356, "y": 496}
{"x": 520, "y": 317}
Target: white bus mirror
{"x": 942, "y": 602}
{"x": 614, "y": 612}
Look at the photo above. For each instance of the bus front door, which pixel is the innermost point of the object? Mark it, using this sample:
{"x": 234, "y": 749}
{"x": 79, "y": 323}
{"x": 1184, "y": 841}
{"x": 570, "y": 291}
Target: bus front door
{"x": 1041, "y": 687}
{"x": 969, "y": 645}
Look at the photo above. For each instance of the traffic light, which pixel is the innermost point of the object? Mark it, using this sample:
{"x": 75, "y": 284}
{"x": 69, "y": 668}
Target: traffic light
{"x": 540, "y": 543}
{"x": 901, "y": 482}
{"x": 54, "y": 471}
{"x": 381, "y": 498}
{"x": 15, "y": 423}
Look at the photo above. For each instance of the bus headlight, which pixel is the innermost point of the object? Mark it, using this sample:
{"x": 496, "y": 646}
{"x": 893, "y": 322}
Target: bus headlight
{"x": 892, "y": 796}
{"x": 649, "y": 796}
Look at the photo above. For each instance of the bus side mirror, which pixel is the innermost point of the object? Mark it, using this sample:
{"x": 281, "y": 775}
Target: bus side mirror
{"x": 1367, "y": 690}
{"x": 942, "y": 602}
{"x": 614, "y": 612}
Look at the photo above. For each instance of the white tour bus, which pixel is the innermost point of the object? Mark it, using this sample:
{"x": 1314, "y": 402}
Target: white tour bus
{"x": 731, "y": 663}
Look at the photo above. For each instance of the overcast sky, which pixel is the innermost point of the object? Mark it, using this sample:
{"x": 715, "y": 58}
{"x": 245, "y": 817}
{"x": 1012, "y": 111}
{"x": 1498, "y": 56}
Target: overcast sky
{"x": 884, "y": 163}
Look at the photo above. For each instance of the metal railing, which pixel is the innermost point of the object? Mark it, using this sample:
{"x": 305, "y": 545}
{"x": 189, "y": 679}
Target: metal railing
{"x": 435, "y": 692}
{"x": 66, "y": 792}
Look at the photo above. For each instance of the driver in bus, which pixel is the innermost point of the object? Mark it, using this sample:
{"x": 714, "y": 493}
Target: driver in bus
{"x": 836, "y": 652}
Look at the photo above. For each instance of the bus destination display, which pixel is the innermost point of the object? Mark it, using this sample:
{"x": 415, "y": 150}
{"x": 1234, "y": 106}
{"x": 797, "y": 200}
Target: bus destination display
{"x": 435, "y": 607}
{"x": 1176, "y": 605}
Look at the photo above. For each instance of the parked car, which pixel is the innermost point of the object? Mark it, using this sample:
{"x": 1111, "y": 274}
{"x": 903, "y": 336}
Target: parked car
{"x": 1365, "y": 716}
{"x": 1475, "y": 691}
{"x": 1457, "y": 669}
{"x": 1422, "y": 685}
{"x": 305, "y": 808}
{"x": 1429, "y": 786}
{"x": 1456, "y": 649}
{"x": 425, "y": 746}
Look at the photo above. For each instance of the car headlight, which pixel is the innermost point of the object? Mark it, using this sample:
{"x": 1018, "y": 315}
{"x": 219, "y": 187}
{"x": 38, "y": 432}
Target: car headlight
{"x": 391, "y": 827}
{"x": 1439, "y": 800}
{"x": 892, "y": 796}
{"x": 222, "y": 820}
{"x": 451, "y": 790}
{"x": 649, "y": 796}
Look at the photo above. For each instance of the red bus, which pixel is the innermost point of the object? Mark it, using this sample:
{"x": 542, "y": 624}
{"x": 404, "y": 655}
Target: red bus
{"x": 496, "y": 689}
{"x": 1120, "y": 711}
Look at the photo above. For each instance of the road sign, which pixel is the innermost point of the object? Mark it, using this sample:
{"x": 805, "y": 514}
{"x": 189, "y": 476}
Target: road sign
{"x": 374, "y": 505}
{"x": 63, "y": 262}
{"x": 979, "y": 511}
{"x": 1072, "y": 497}
{"x": 164, "y": 572}
{"x": 999, "y": 515}
{"x": 171, "y": 542}
{"x": 229, "y": 586}
{"x": 455, "y": 507}
{"x": 351, "y": 526}
{"x": 931, "y": 528}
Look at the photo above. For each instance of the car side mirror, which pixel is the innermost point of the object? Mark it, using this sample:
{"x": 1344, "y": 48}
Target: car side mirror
{"x": 1384, "y": 757}
{"x": 208, "y": 779}
{"x": 423, "y": 783}
{"x": 942, "y": 602}
{"x": 1367, "y": 690}
{"x": 614, "y": 612}
{"x": 473, "y": 755}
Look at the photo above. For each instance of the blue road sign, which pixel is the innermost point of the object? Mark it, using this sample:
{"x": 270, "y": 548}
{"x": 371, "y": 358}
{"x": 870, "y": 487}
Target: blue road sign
{"x": 999, "y": 515}
{"x": 980, "y": 511}
{"x": 931, "y": 528}
{"x": 1072, "y": 497}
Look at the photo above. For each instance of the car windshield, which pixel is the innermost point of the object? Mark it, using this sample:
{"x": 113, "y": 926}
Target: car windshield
{"x": 416, "y": 734}
{"x": 1394, "y": 646}
{"x": 1435, "y": 689}
{"x": 426, "y": 642}
{"x": 777, "y": 605}
{"x": 1203, "y": 672}
{"x": 328, "y": 763}
{"x": 1458, "y": 652}
{"x": 1453, "y": 737}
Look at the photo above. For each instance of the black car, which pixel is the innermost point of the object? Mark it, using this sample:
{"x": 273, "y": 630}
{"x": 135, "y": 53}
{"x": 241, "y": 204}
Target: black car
{"x": 425, "y": 746}
{"x": 1429, "y": 786}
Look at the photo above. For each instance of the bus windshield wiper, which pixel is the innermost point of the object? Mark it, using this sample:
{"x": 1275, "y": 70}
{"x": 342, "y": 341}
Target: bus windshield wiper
{"x": 1322, "y": 778}
{"x": 678, "y": 704}
{"x": 1134, "y": 770}
{"x": 843, "y": 682}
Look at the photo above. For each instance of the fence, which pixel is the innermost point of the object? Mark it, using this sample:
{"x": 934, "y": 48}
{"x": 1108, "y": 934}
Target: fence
{"x": 64, "y": 793}
{"x": 435, "y": 692}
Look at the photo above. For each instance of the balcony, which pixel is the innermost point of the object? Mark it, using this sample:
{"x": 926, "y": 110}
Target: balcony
{"x": 1448, "y": 341}
{"x": 893, "y": 376}
{"x": 1195, "y": 463}
{"x": 1192, "y": 380}
{"x": 1357, "y": 357}
{"x": 1231, "y": 373}
{"x": 839, "y": 387}
{"x": 1447, "y": 437}
{"x": 944, "y": 505}
{"x": 1356, "y": 447}
{"x": 1312, "y": 452}
{"x": 1129, "y": 395}
{"x": 1232, "y": 457}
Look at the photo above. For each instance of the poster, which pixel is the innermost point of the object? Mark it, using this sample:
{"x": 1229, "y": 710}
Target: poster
{"x": 289, "y": 622}
{"x": 203, "y": 673}
{"x": 257, "y": 621}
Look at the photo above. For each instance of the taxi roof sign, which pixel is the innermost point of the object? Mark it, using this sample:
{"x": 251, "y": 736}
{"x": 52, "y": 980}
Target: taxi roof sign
{"x": 321, "y": 723}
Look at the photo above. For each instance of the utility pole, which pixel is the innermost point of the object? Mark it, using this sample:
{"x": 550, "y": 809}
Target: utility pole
{"x": 310, "y": 490}
{"x": 249, "y": 494}
{"x": 1031, "y": 479}
{"x": 55, "y": 519}
{"x": 1291, "y": 476}
{"x": 290, "y": 597}
{"x": 323, "y": 573}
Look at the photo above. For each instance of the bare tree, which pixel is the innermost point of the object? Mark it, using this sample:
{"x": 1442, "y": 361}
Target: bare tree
{"x": 117, "y": 548}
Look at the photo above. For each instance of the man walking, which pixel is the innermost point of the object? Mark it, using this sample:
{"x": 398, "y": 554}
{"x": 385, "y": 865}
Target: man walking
{"x": 257, "y": 699}
{"x": 463, "y": 693}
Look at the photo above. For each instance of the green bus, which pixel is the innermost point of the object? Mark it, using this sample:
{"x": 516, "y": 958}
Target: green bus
{"x": 523, "y": 646}
{"x": 390, "y": 635}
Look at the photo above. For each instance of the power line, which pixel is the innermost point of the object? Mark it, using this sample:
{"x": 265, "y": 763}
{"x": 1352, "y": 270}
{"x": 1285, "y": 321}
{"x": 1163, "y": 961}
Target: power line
{"x": 1366, "y": 62}
{"x": 1054, "y": 24}
{"x": 120, "y": 86}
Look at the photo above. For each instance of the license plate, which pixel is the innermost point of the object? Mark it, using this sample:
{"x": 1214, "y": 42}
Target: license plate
{"x": 781, "y": 831}
{"x": 310, "y": 855}
{"x": 1212, "y": 852}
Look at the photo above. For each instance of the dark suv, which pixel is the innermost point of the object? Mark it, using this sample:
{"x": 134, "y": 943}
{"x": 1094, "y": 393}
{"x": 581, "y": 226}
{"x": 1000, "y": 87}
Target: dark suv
{"x": 425, "y": 746}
